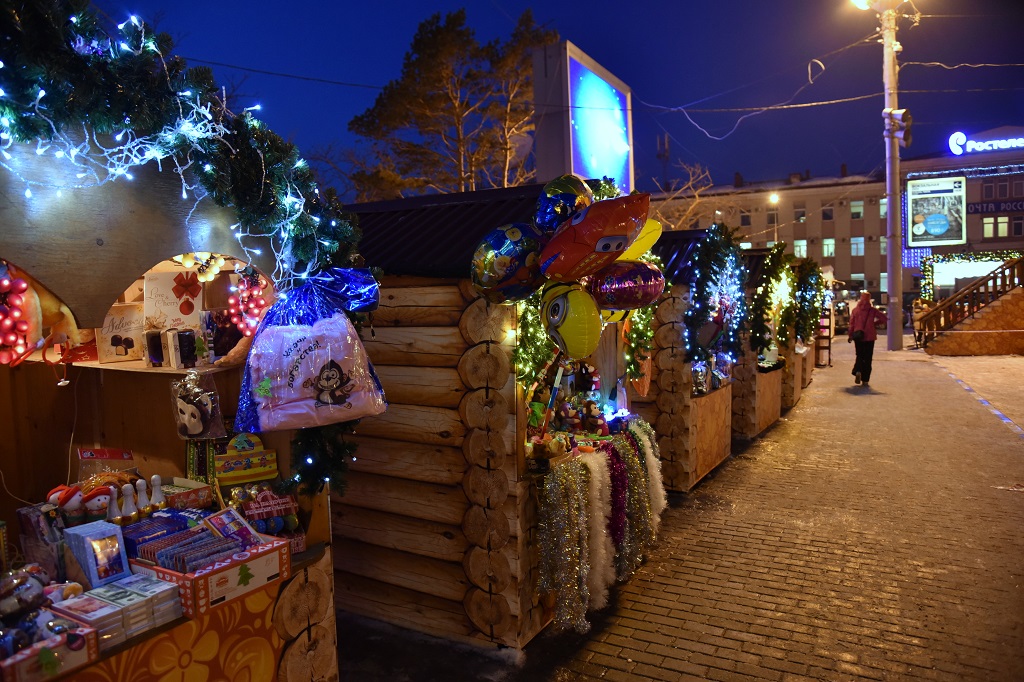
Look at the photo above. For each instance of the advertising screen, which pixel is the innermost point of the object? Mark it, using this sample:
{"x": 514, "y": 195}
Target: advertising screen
{"x": 937, "y": 212}
{"x": 599, "y": 127}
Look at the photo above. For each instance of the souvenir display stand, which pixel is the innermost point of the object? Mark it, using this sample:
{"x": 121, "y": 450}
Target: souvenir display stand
{"x": 694, "y": 431}
{"x": 439, "y": 525}
{"x": 86, "y": 248}
{"x": 761, "y": 373}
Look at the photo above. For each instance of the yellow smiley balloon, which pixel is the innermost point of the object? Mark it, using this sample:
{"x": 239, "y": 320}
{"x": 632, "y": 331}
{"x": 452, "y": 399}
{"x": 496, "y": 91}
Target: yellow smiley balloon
{"x": 571, "y": 319}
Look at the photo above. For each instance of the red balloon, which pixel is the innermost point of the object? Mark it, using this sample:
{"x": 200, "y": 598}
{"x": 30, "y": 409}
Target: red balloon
{"x": 594, "y": 237}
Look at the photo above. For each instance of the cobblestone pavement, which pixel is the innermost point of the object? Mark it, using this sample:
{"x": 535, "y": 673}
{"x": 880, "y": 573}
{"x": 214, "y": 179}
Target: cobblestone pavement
{"x": 871, "y": 534}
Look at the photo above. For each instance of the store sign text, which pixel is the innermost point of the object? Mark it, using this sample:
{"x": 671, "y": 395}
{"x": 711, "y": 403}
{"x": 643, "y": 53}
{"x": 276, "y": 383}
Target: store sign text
{"x": 1016, "y": 206}
{"x": 959, "y": 144}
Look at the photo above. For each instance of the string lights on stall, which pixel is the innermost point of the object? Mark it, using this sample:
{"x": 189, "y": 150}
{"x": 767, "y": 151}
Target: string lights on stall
{"x": 928, "y": 265}
{"x": 103, "y": 104}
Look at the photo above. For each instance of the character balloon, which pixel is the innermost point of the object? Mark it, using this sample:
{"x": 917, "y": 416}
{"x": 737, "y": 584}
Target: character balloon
{"x": 649, "y": 235}
{"x": 594, "y": 237}
{"x": 559, "y": 199}
{"x": 571, "y": 319}
{"x": 506, "y": 264}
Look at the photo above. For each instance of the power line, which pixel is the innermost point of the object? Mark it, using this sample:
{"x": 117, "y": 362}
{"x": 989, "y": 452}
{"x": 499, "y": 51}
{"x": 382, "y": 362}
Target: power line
{"x": 285, "y": 75}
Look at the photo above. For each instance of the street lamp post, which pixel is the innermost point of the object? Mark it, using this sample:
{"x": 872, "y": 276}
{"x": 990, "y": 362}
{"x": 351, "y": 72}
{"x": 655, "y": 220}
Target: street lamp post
{"x": 773, "y": 199}
{"x": 887, "y": 15}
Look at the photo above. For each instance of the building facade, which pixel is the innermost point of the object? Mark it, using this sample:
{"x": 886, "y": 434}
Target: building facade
{"x": 841, "y": 221}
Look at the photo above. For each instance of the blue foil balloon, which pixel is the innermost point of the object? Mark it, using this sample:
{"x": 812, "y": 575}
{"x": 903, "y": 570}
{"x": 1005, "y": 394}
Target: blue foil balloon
{"x": 559, "y": 199}
{"x": 506, "y": 264}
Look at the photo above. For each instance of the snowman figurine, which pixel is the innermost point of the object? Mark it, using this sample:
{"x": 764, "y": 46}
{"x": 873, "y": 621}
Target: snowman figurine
{"x": 71, "y": 508}
{"x": 96, "y": 502}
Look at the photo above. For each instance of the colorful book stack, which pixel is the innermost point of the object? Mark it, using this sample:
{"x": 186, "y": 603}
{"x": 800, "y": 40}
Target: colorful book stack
{"x": 136, "y": 609}
{"x": 163, "y": 595}
{"x": 105, "y": 617}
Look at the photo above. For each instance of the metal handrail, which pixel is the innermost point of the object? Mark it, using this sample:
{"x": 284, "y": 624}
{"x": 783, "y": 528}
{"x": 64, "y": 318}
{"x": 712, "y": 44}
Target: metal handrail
{"x": 969, "y": 300}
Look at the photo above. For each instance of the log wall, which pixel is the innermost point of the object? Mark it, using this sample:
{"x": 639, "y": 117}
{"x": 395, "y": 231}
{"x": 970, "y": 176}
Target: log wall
{"x": 793, "y": 374}
{"x": 435, "y": 531}
{"x": 693, "y": 432}
{"x": 756, "y": 396}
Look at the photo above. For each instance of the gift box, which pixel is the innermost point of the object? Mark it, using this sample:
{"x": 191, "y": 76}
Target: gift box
{"x": 121, "y": 336}
{"x": 224, "y": 581}
{"x": 182, "y": 493}
{"x": 172, "y": 299}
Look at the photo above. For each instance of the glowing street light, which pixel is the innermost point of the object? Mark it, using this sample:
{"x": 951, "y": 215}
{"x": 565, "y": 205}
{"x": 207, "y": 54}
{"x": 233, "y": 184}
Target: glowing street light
{"x": 773, "y": 199}
{"x": 896, "y": 133}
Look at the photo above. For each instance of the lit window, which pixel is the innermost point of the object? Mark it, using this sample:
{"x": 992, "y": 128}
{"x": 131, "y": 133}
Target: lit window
{"x": 883, "y": 245}
{"x": 883, "y": 281}
{"x": 857, "y": 209}
{"x": 856, "y": 246}
{"x": 857, "y": 280}
{"x": 746, "y": 245}
{"x": 800, "y": 248}
{"x": 799, "y": 212}
{"x": 1018, "y": 226}
{"x": 826, "y": 212}
{"x": 1003, "y": 226}
{"x": 770, "y": 244}
{"x": 744, "y": 218}
{"x": 988, "y": 226}
{"x": 883, "y": 207}
{"x": 828, "y": 248}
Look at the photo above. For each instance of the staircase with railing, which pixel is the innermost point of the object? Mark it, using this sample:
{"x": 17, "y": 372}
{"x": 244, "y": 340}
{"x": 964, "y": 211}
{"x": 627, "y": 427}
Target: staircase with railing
{"x": 968, "y": 301}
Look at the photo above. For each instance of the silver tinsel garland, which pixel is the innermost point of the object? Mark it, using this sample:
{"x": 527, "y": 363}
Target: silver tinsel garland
{"x": 564, "y": 542}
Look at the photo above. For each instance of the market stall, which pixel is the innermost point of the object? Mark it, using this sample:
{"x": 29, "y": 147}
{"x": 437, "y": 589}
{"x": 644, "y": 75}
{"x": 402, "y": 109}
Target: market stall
{"x": 688, "y": 397}
{"x": 442, "y": 527}
{"x": 760, "y": 374}
{"x": 118, "y": 221}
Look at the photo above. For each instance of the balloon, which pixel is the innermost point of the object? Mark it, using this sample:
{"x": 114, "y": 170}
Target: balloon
{"x": 610, "y": 316}
{"x": 559, "y": 199}
{"x": 649, "y": 236}
{"x": 626, "y": 285}
{"x": 506, "y": 266}
{"x": 571, "y": 319}
{"x": 594, "y": 237}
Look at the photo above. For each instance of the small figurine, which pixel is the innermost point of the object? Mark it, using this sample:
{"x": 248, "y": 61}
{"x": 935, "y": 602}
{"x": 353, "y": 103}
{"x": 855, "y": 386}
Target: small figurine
{"x": 159, "y": 501}
{"x": 145, "y": 509}
{"x": 129, "y": 511}
{"x": 568, "y": 417}
{"x": 96, "y": 502}
{"x": 70, "y": 503}
{"x": 113, "y": 511}
{"x": 54, "y": 494}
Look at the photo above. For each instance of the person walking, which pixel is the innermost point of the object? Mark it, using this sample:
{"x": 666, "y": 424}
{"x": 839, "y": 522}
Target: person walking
{"x": 862, "y": 333}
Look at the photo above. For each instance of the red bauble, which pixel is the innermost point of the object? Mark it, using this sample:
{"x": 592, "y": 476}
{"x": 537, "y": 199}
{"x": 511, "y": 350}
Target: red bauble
{"x": 5, "y": 286}
{"x": 19, "y": 286}
{"x": 187, "y": 307}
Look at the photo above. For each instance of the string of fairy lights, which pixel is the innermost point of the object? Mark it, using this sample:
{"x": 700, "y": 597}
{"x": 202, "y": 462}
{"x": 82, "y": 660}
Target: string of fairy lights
{"x": 101, "y": 105}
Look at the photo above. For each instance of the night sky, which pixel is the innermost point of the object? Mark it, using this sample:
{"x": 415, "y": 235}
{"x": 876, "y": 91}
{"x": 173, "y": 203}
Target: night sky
{"x": 673, "y": 54}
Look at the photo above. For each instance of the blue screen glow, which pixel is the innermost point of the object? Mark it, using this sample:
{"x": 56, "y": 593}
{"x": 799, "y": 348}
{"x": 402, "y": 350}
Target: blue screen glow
{"x": 600, "y": 128}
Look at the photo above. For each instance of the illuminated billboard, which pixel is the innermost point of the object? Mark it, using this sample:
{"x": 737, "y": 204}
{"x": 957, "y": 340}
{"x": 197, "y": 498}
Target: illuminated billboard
{"x": 938, "y": 210}
{"x": 583, "y": 118}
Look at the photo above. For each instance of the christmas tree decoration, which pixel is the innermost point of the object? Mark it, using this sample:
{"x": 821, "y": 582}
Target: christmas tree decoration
{"x": 810, "y": 298}
{"x": 773, "y": 308}
{"x": 718, "y": 308}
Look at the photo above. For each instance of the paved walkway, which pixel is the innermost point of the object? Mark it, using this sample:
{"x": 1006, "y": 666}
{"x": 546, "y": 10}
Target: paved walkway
{"x": 871, "y": 534}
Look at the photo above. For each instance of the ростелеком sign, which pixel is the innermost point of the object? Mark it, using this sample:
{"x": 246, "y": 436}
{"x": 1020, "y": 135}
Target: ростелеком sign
{"x": 959, "y": 144}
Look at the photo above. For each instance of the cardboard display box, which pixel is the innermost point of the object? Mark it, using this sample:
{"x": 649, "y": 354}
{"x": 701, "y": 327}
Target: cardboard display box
{"x": 121, "y": 337}
{"x": 52, "y": 658}
{"x": 194, "y": 496}
{"x": 244, "y": 572}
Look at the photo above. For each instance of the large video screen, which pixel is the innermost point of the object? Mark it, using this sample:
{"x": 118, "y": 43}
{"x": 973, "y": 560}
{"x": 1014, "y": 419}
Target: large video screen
{"x": 599, "y": 127}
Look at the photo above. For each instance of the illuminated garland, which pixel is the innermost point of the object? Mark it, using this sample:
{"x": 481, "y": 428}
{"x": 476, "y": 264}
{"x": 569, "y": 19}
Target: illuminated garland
{"x": 810, "y": 297}
{"x": 604, "y": 189}
{"x": 534, "y": 348}
{"x": 70, "y": 84}
{"x": 773, "y": 292}
{"x": 928, "y": 265}
{"x": 639, "y": 335}
{"x": 105, "y": 105}
{"x": 719, "y": 280}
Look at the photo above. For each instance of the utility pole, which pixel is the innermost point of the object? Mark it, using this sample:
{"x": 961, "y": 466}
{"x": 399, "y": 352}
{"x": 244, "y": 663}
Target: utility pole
{"x": 663, "y": 156}
{"x": 894, "y": 203}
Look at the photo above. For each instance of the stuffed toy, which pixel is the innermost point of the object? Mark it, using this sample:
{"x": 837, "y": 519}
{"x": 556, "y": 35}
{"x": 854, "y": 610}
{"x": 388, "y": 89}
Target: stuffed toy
{"x": 96, "y": 502}
{"x": 593, "y": 419}
{"x": 71, "y": 508}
